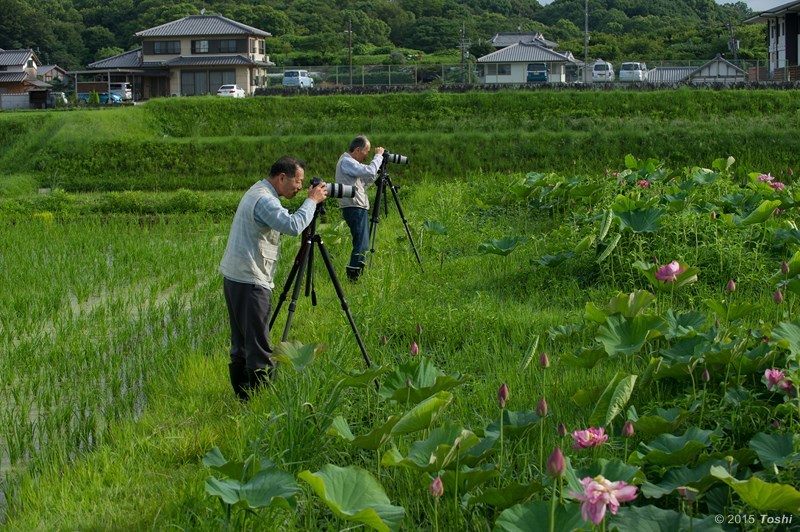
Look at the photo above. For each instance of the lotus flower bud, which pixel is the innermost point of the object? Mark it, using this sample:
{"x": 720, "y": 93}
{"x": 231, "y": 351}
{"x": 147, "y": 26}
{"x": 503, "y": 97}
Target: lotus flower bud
{"x": 714, "y": 215}
{"x": 556, "y": 465}
{"x": 716, "y": 324}
{"x": 562, "y": 430}
{"x": 384, "y": 340}
{"x": 687, "y": 494}
{"x": 778, "y": 297}
{"x": 502, "y": 395}
{"x": 414, "y": 349}
{"x": 706, "y": 376}
{"x": 408, "y": 382}
{"x": 627, "y": 429}
{"x": 541, "y": 408}
{"x": 784, "y": 267}
{"x": 544, "y": 361}
{"x": 436, "y": 488}
{"x": 731, "y": 286}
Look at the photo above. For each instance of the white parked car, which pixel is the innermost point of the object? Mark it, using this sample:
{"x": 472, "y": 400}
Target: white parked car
{"x": 234, "y": 91}
{"x": 602, "y": 71}
{"x": 298, "y": 78}
{"x": 633, "y": 71}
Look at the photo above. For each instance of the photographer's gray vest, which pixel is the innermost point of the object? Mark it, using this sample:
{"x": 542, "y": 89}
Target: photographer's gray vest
{"x": 251, "y": 255}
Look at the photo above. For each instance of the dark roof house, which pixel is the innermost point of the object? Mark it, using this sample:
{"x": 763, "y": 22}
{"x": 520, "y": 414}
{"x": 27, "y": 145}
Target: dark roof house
{"x": 192, "y": 55}
{"x": 512, "y": 63}
{"x": 18, "y": 70}
{"x": 783, "y": 37}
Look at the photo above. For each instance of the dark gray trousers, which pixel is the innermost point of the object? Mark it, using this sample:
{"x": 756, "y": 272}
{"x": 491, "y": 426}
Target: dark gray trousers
{"x": 249, "y": 309}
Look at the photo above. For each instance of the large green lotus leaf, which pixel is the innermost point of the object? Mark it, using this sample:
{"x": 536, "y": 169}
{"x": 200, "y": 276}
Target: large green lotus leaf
{"x": 226, "y": 489}
{"x": 354, "y": 494}
{"x": 629, "y": 305}
{"x": 553, "y": 261}
{"x": 730, "y": 311}
{"x": 613, "y": 400}
{"x": 653, "y": 519}
{"x": 698, "y": 478}
{"x": 585, "y": 357}
{"x": 422, "y": 415}
{"x": 425, "y": 379}
{"x": 239, "y": 471}
{"x": 501, "y": 498}
{"x": 623, "y": 336}
{"x": 763, "y": 496}
{"x": 685, "y": 349}
{"x": 662, "y": 422}
{"x": 774, "y": 449}
{"x": 483, "y": 450}
{"x": 685, "y": 324}
{"x": 435, "y": 227}
{"x": 371, "y": 441}
{"x": 762, "y": 213}
{"x": 584, "y": 191}
{"x": 535, "y": 517}
{"x": 468, "y": 478}
{"x": 515, "y": 423}
{"x": 296, "y": 355}
{"x": 585, "y": 243}
{"x": 501, "y": 247}
{"x": 641, "y": 220}
{"x": 612, "y": 470}
{"x": 439, "y": 450}
{"x": 366, "y": 378}
{"x": 676, "y": 369}
{"x": 669, "y": 450}
{"x": 271, "y": 487}
{"x": 595, "y": 314}
{"x": 788, "y": 336}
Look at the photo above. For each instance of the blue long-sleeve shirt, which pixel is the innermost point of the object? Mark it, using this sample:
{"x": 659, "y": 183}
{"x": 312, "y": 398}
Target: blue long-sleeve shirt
{"x": 269, "y": 212}
{"x": 353, "y": 173}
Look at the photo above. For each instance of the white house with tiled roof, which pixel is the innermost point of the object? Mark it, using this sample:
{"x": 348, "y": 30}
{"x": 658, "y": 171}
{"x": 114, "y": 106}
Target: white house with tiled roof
{"x": 513, "y": 63}
{"x": 18, "y": 69}
{"x": 190, "y": 56}
{"x": 783, "y": 37}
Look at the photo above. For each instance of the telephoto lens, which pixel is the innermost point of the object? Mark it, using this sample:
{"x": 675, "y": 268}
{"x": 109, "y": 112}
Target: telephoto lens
{"x": 336, "y": 190}
{"x": 395, "y": 158}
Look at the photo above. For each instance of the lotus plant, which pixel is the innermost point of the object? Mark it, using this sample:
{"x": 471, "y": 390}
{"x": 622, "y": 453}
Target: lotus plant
{"x": 599, "y": 494}
{"x": 502, "y": 397}
{"x": 414, "y": 349}
{"x": 437, "y": 490}
{"x": 627, "y": 433}
{"x": 591, "y": 437}
{"x": 556, "y": 468}
{"x": 668, "y": 273}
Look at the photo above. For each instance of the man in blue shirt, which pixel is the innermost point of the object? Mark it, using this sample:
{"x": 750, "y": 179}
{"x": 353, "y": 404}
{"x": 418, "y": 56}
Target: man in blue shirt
{"x": 351, "y": 170}
{"x": 249, "y": 263}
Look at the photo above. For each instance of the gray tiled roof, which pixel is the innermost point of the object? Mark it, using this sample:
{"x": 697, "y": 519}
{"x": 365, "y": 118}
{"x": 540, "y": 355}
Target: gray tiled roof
{"x": 501, "y": 40}
{"x": 12, "y": 77}
{"x": 522, "y": 52}
{"x": 14, "y": 57}
{"x": 210, "y": 60}
{"x": 131, "y": 59}
{"x": 194, "y": 25}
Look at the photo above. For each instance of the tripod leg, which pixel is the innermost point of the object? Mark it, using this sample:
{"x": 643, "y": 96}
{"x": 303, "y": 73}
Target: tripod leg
{"x": 338, "y": 287}
{"x": 292, "y": 273}
{"x": 405, "y": 223}
{"x": 380, "y": 192}
{"x": 303, "y": 258}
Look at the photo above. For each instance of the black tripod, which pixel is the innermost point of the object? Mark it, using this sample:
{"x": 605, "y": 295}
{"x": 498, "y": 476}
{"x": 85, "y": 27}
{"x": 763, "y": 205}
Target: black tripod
{"x": 381, "y": 183}
{"x": 304, "y": 264}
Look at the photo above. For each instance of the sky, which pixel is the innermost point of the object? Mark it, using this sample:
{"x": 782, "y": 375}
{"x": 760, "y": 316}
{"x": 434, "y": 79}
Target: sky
{"x": 755, "y": 5}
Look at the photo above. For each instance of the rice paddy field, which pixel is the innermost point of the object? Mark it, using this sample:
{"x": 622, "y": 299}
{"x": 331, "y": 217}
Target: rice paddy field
{"x": 602, "y": 333}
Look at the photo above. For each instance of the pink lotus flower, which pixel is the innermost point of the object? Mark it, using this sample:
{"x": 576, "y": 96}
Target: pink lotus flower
{"x": 541, "y": 408}
{"x": 502, "y": 395}
{"x": 590, "y": 437}
{"x": 643, "y": 183}
{"x": 778, "y": 297}
{"x": 777, "y": 185}
{"x": 669, "y": 272}
{"x": 556, "y": 465}
{"x": 773, "y": 378}
{"x": 436, "y": 488}
{"x": 787, "y": 387}
{"x": 627, "y": 429}
{"x": 731, "y": 286}
{"x": 765, "y": 178}
{"x": 414, "y": 349}
{"x": 543, "y": 360}
{"x": 599, "y": 493}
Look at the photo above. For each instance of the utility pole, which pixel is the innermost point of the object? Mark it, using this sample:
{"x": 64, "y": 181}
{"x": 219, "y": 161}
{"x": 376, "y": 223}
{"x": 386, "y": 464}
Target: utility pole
{"x": 733, "y": 44}
{"x": 586, "y": 40}
{"x": 464, "y": 45}
{"x": 350, "y": 47}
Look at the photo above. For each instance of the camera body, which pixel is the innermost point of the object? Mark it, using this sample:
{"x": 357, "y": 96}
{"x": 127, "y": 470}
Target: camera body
{"x": 336, "y": 190}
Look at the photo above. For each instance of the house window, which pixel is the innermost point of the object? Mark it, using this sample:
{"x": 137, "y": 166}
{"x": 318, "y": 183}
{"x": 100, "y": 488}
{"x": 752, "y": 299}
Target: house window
{"x": 166, "y": 47}
{"x": 504, "y": 70}
{"x": 30, "y": 63}
{"x": 491, "y": 70}
{"x": 261, "y": 46}
{"x": 227, "y": 46}
{"x": 199, "y": 47}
